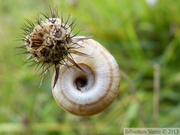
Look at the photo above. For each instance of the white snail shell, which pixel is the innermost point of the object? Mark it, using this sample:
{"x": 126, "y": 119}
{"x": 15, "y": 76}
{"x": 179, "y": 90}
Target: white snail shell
{"x": 89, "y": 92}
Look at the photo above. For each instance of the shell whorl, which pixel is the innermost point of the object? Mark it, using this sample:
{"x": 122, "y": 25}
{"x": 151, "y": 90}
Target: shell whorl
{"x": 92, "y": 90}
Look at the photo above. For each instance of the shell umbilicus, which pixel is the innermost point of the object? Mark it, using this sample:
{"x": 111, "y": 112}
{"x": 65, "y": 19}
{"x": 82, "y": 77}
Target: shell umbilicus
{"x": 92, "y": 90}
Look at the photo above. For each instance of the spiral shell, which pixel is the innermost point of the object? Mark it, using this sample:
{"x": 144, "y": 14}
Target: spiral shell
{"x": 90, "y": 90}
{"x": 86, "y": 78}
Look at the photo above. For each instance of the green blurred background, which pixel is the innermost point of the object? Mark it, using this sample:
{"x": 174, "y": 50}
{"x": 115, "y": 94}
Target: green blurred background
{"x": 143, "y": 37}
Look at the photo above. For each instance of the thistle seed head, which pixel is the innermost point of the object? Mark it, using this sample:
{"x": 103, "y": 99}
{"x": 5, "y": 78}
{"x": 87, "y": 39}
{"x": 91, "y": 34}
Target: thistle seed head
{"x": 51, "y": 42}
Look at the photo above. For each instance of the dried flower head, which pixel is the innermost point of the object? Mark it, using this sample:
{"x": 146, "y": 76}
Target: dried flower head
{"x": 51, "y": 42}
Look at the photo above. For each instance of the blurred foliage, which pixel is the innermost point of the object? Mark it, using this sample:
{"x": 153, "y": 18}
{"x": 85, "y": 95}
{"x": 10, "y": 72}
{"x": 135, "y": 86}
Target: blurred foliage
{"x": 138, "y": 34}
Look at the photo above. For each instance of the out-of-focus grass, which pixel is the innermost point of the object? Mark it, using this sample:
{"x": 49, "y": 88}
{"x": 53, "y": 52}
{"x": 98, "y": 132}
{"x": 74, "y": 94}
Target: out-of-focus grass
{"x": 137, "y": 34}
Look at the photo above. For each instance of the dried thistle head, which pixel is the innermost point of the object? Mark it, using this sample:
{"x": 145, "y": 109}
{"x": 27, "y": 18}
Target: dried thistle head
{"x": 51, "y": 42}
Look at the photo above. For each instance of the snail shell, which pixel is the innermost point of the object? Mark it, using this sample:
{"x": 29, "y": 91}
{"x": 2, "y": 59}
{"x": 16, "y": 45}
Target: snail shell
{"x": 92, "y": 90}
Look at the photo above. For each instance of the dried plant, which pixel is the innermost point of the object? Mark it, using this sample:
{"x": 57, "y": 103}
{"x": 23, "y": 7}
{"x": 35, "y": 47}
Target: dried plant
{"x": 50, "y": 43}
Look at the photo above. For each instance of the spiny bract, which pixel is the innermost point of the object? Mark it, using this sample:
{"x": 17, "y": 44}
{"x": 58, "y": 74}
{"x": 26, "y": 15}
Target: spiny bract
{"x": 51, "y": 43}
